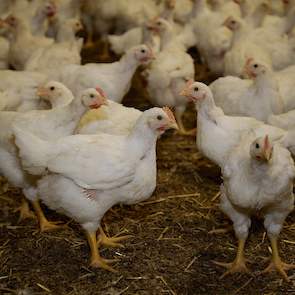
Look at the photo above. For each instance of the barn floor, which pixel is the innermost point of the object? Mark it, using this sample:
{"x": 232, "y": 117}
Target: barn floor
{"x": 171, "y": 250}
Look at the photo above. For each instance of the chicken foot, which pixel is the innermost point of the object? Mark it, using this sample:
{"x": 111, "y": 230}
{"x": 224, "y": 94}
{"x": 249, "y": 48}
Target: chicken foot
{"x": 24, "y": 210}
{"x": 276, "y": 263}
{"x": 44, "y": 224}
{"x": 96, "y": 260}
{"x": 238, "y": 265}
{"x": 111, "y": 241}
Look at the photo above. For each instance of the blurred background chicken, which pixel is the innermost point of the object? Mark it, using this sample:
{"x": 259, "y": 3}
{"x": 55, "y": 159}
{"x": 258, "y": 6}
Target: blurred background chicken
{"x": 69, "y": 136}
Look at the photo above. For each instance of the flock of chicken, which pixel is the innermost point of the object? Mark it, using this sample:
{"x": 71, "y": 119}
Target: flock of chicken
{"x": 66, "y": 139}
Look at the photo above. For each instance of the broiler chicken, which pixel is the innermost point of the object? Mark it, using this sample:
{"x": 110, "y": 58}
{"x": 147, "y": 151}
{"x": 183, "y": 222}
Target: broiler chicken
{"x": 113, "y": 78}
{"x": 218, "y": 134}
{"x": 111, "y": 118}
{"x": 258, "y": 98}
{"x": 169, "y": 72}
{"x": 66, "y": 51}
{"x": 242, "y": 49}
{"x": 88, "y": 174}
{"x": 19, "y": 90}
{"x": 24, "y": 44}
{"x": 263, "y": 45}
{"x": 258, "y": 178}
{"x": 60, "y": 121}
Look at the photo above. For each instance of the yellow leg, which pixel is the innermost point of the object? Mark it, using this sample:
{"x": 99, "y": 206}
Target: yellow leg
{"x": 111, "y": 242}
{"x": 24, "y": 210}
{"x": 44, "y": 224}
{"x": 276, "y": 262}
{"x": 182, "y": 130}
{"x": 239, "y": 264}
{"x": 89, "y": 42}
{"x": 104, "y": 55}
{"x": 96, "y": 260}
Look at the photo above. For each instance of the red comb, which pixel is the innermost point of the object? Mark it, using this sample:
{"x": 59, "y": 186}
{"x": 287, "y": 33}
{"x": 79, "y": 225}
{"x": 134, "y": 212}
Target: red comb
{"x": 169, "y": 113}
{"x": 101, "y": 92}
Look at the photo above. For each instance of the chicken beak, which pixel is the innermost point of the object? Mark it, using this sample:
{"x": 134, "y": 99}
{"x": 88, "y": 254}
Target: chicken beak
{"x": 151, "y": 54}
{"x": 97, "y": 103}
{"x": 173, "y": 125}
{"x": 267, "y": 149}
{"x": 42, "y": 92}
{"x": 267, "y": 154}
{"x": 185, "y": 92}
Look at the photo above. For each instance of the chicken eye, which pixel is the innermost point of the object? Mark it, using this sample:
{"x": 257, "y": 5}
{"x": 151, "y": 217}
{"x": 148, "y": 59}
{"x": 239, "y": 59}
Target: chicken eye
{"x": 142, "y": 50}
{"x": 159, "y": 117}
{"x": 52, "y": 88}
{"x": 233, "y": 22}
{"x": 92, "y": 95}
{"x": 257, "y": 146}
{"x": 255, "y": 66}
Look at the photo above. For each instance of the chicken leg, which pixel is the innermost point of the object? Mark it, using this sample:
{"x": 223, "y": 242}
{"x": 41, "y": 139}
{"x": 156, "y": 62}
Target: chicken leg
{"x": 276, "y": 263}
{"x": 44, "y": 224}
{"x": 113, "y": 241}
{"x": 96, "y": 260}
{"x": 182, "y": 131}
{"x": 104, "y": 55}
{"x": 239, "y": 264}
{"x": 24, "y": 210}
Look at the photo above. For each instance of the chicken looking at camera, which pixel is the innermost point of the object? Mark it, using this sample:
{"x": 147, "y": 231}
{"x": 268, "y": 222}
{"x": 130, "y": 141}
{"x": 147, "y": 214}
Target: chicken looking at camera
{"x": 88, "y": 174}
{"x": 111, "y": 117}
{"x": 258, "y": 177}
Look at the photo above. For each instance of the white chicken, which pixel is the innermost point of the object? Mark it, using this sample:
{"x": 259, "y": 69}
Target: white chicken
{"x": 113, "y": 78}
{"x": 88, "y": 174}
{"x": 19, "y": 90}
{"x": 262, "y": 44}
{"x": 285, "y": 79}
{"x": 257, "y": 98}
{"x": 242, "y": 49}
{"x": 111, "y": 118}
{"x": 60, "y": 121}
{"x": 213, "y": 40}
{"x": 40, "y": 21}
{"x": 218, "y": 134}
{"x": 24, "y": 43}
{"x": 66, "y": 51}
{"x": 258, "y": 177}
{"x": 169, "y": 72}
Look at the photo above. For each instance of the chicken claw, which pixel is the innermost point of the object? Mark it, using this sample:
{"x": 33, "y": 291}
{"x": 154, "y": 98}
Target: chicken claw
{"x": 96, "y": 260}
{"x": 280, "y": 267}
{"x": 277, "y": 264}
{"x": 237, "y": 266}
{"x": 44, "y": 224}
{"x": 24, "y": 211}
{"x": 111, "y": 241}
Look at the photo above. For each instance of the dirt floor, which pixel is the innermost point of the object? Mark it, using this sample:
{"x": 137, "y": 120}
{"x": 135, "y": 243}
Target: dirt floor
{"x": 171, "y": 251}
